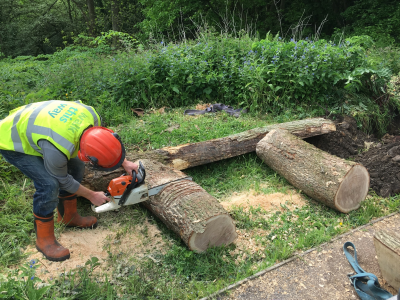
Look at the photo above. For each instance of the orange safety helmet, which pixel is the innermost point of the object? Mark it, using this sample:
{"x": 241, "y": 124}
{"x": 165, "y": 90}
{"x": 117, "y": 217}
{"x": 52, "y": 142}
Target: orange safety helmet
{"x": 102, "y": 147}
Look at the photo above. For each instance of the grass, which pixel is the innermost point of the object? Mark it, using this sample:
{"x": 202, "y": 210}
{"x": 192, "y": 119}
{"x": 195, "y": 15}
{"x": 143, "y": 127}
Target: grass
{"x": 171, "y": 128}
{"x": 178, "y": 273}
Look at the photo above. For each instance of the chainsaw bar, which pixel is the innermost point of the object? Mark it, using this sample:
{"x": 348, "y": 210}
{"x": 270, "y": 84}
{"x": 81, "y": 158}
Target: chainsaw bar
{"x": 129, "y": 190}
{"x": 142, "y": 193}
{"x": 155, "y": 190}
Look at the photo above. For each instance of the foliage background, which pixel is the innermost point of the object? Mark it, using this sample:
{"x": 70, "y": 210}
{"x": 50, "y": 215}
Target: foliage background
{"x": 41, "y": 27}
{"x": 283, "y": 60}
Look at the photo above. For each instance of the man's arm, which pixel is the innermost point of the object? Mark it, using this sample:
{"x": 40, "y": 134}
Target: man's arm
{"x": 97, "y": 198}
{"x": 55, "y": 164}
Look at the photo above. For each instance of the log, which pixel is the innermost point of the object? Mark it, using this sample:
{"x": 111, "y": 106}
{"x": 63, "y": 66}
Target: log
{"x": 387, "y": 248}
{"x": 187, "y": 209}
{"x": 338, "y": 183}
{"x": 195, "y": 154}
{"x": 189, "y": 155}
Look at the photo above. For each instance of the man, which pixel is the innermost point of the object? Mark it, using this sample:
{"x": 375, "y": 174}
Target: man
{"x": 49, "y": 142}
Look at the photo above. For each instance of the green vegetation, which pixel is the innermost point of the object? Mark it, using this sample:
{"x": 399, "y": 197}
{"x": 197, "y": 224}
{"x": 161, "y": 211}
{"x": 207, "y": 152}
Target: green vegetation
{"x": 165, "y": 57}
{"x": 178, "y": 273}
{"x": 300, "y": 78}
{"x": 45, "y": 26}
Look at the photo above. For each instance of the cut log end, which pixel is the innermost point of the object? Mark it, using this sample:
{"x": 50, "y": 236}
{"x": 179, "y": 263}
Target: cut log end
{"x": 353, "y": 189}
{"x": 220, "y": 230}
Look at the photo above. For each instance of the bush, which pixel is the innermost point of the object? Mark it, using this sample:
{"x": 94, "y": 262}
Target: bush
{"x": 306, "y": 71}
{"x": 270, "y": 75}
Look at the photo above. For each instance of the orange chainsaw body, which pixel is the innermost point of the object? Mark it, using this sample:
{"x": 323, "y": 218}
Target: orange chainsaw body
{"x": 118, "y": 185}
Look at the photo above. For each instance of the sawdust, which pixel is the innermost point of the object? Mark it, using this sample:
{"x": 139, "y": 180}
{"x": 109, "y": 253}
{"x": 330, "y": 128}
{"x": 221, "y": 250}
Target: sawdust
{"x": 140, "y": 243}
{"x": 270, "y": 202}
{"x": 85, "y": 244}
{"x": 248, "y": 242}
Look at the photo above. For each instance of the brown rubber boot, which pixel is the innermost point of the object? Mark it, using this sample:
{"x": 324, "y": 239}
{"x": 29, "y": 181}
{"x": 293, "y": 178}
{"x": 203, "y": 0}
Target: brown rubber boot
{"x": 68, "y": 214}
{"x": 46, "y": 242}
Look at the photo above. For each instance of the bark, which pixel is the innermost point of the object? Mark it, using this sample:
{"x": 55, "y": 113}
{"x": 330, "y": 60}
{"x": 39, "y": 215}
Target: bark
{"x": 187, "y": 209}
{"x": 114, "y": 14}
{"x": 337, "y": 183}
{"x": 69, "y": 11}
{"x": 92, "y": 17}
{"x": 189, "y": 155}
{"x": 195, "y": 154}
{"x": 114, "y": 19}
{"x": 387, "y": 248}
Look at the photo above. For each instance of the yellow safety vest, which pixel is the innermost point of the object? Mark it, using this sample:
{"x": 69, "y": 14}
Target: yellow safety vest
{"x": 59, "y": 122}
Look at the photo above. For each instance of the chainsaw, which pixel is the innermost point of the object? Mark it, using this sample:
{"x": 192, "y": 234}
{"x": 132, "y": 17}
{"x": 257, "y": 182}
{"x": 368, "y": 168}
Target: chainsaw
{"x": 130, "y": 189}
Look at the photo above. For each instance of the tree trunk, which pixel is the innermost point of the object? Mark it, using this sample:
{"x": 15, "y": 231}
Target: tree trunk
{"x": 387, "y": 248}
{"x": 69, "y": 11}
{"x": 339, "y": 184}
{"x": 114, "y": 15}
{"x": 190, "y": 155}
{"x": 196, "y": 154}
{"x": 114, "y": 19}
{"x": 187, "y": 209}
{"x": 92, "y": 17}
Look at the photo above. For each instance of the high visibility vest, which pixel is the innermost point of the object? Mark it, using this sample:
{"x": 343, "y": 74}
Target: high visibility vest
{"x": 59, "y": 122}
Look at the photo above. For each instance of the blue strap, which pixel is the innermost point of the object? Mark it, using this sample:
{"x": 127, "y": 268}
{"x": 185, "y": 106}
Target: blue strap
{"x": 366, "y": 284}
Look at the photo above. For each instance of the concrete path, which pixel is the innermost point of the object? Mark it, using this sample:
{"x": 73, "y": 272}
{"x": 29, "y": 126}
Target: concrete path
{"x": 319, "y": 274}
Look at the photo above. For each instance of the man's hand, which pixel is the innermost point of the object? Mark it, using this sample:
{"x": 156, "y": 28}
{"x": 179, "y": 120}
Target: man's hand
{"x": 130, "y": 166}
{"x": 98, "y": 198}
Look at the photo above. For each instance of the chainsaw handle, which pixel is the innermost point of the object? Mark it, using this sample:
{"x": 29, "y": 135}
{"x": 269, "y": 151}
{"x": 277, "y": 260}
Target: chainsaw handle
{"x": 128, "y": 189}
{"x": 141, "y": 175}
{"x": 137, "y": 179}
{"x": 105, "y": 207}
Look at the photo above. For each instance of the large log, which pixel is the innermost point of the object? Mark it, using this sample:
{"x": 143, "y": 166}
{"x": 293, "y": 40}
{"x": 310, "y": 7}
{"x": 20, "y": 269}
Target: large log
{"x": 387, "y": 248}
{"x": 339, "y": 184}
{"x": 189, "y": 155}
{"x": 194, "y": 154}
{"x": 187, "y": 209}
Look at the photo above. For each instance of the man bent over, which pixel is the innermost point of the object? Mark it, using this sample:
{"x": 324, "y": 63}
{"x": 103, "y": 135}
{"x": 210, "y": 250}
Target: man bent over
{"x": 49, "y": 142}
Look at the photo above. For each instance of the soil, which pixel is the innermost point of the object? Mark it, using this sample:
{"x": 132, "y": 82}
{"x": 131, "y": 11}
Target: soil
{"x": 346, "y": 141}
{"x": 322, "y": 273}
{"x": 380, "y": 157}
{"x": 383, "y": 164}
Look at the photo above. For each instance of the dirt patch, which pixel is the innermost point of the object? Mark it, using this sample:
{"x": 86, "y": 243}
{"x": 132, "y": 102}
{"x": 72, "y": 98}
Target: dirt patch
{"x": 383, "y": 164}
{"x": 380, "y": 157}
{"x": 84, "y": 244}
{"x": 346, "y": 141}
{"x": 247, "y": 241}
{"x": 270, "y": 202}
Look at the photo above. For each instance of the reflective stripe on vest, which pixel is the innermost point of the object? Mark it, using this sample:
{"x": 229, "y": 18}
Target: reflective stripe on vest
{"x": 32, "y": 129}
{"x": 14, "y": 131}
{"x": 95, "y": 116}
{"x": 62, "y": 125}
